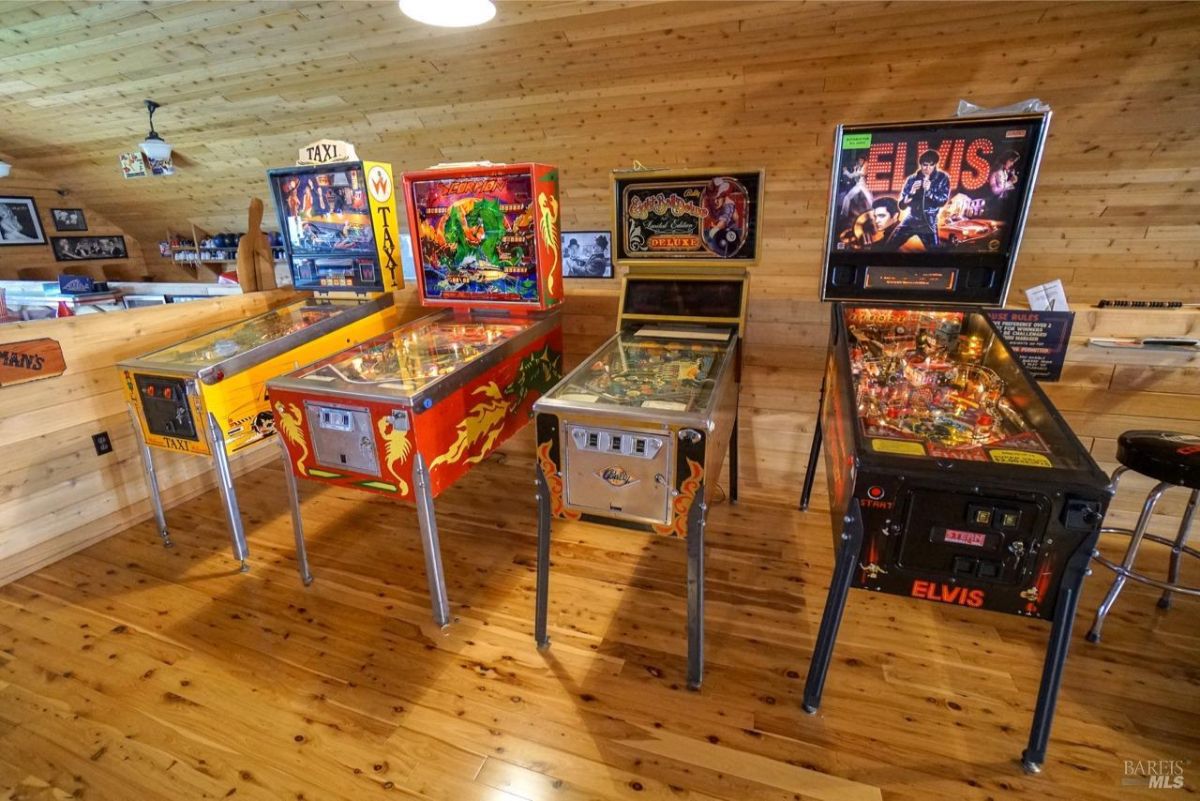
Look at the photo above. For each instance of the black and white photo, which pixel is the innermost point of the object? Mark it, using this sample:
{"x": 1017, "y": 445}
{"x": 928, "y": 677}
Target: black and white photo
{"x": 587, "y": 254}
{"x": 69, "y": 219}
{"x": 88, "y": 248}
{"x": 19, "y": 223}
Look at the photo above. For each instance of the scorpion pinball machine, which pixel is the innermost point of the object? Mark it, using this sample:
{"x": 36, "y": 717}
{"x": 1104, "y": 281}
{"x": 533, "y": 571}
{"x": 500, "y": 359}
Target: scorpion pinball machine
{"x": 406, "y": 413}
{"x": 637, "y": 434}
{"x": 207, "y": 395}
{"x": 952, "y": 478}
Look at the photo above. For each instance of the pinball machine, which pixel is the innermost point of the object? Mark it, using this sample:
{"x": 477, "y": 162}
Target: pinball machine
{"x": 207, "y": 396}
{"x": 952, "y": 477}
{"x": 407, "y": 412}
{"x": 637, "y": 434}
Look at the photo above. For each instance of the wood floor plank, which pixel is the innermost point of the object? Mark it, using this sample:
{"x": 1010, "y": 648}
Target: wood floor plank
{"x": 192, "y": 680}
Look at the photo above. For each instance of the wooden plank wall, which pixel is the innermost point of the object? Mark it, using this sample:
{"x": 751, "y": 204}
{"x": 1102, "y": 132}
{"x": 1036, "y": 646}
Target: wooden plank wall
{"x": 56, "y": 494}
{"x": 25, "y": 182}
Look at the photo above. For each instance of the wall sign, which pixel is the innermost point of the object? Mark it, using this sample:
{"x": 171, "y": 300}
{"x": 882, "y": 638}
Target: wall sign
{"x": 1038, "y": 338}
{"x": 326, "y": 151}
{"x": 30, "y": 360}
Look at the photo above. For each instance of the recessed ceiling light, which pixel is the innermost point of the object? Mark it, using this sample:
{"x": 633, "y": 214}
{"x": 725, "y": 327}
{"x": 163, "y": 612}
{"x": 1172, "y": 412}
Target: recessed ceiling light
{"x": 449, "y": 13}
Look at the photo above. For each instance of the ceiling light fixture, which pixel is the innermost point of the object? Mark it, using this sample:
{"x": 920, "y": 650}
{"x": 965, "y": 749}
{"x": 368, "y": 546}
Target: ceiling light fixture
{"x": 449, "y": 13}
{"x": 154, "y": 145}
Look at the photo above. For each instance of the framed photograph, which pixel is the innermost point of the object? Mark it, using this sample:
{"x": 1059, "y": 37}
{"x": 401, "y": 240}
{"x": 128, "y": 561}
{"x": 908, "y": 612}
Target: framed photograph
{"x": 587, "y": 254}
{"x": 69, "y": 220}
{"x": 19, "y": 223}
{"x": 88, "y": 248}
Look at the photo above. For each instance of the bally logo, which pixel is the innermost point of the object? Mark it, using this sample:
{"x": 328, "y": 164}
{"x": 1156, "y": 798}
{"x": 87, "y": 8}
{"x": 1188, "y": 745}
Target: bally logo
{"x": 948, "y": 594}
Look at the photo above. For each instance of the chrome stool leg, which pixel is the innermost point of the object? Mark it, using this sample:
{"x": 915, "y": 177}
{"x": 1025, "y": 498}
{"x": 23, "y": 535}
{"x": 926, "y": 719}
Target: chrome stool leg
{"x": 1177, "y": 549}
{"x": 1125, "y": 568}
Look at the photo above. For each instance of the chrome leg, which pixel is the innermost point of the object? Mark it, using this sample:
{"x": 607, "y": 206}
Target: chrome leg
{"x": 297, "y": 521}
{"x": 1177, "y": 549}
{"x": 1127, "y": 563}
{"x": 160, "y": 516}
{"x": 695, "y": 589}
{"x": 429, "y": 542}
{"x": 216, "y": 439}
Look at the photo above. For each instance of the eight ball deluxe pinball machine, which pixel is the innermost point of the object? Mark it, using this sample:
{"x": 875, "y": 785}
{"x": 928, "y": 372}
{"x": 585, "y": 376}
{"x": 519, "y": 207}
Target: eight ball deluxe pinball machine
{"x": 637, "y": 434}
{"x": 405, "y": 414}
{"x": 952, "y": 477}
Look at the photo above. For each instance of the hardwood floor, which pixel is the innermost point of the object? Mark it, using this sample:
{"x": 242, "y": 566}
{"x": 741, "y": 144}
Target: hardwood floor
{"x": 129, "y": 671}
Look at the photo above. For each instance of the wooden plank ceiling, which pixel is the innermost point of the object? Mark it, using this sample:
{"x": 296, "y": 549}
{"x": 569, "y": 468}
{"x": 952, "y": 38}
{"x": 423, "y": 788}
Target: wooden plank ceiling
{"x": 593, "y": 86}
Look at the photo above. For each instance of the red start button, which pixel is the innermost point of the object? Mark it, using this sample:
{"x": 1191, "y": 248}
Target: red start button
{"x": 875, "y": 493}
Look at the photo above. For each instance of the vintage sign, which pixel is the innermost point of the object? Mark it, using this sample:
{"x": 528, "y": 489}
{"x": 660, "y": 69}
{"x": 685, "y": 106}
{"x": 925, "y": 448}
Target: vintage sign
{"x": 29, "y": 361}
{"x": 326, "y": 151}
{"x": 696, "y": 216}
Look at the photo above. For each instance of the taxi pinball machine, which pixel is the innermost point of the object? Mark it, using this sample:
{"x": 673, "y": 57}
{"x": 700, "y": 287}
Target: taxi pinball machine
{"x": 406, "y": 413}
{"x": 207, "y": 395}
{"x": 952, "y": 477}
{"x": 637, "y": 434}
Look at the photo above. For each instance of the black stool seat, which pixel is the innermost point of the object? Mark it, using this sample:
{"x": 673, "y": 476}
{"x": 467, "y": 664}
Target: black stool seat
{"x": 1162, "y": 455}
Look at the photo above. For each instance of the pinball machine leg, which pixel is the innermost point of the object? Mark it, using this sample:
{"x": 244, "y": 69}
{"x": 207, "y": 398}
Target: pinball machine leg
{"x": 695, "y": 589}
{"x": 542, "y": 603}
{"x": 297, "y": 520}
{"x": 733, "y": 462}
{"x": 814, "y": 453}
{"x": 1056, "y": 657}
{"x": 216, "y": 439}
{"x": 160, "y": 517}
{"x": 835, "y": 605}
{"x": 429, "y": 543}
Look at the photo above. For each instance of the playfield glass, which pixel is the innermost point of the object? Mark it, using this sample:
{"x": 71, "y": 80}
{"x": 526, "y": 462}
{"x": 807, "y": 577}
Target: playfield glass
{"x": 214, "y": 347}
{"x": 942, "y": 384}
{"x": 647, "y": 372}
{"x": 410, "y": 358}
{"x": 327, "y": 211}
{"x": 477, "y": 238}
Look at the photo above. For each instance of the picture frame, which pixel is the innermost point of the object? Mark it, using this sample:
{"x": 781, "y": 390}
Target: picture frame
{"x": 88, "y": 248}
{"x": 69, "y": 219}
{"x": 19, "y": 222}
{"x": 587, "y": 254}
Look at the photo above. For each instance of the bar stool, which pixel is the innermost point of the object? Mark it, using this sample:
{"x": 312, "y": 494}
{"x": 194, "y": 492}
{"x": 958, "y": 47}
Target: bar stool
{"x": 1173, "y": 459}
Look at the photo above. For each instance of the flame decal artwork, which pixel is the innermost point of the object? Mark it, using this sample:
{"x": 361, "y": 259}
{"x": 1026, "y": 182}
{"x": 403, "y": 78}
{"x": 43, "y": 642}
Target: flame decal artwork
{"x": 555, "y": 483}
{"x": 483, "y": 424}
{"x": 682, "y": 503}
{"x": 291, "y": 424}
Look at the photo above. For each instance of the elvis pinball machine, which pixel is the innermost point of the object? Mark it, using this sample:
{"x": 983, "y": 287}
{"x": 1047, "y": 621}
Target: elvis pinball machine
{"x": 637, "y": 434}
{"x": 406, "y": 413}
{"x": 207, "y": 395}
{"x": 951, "y": 476}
